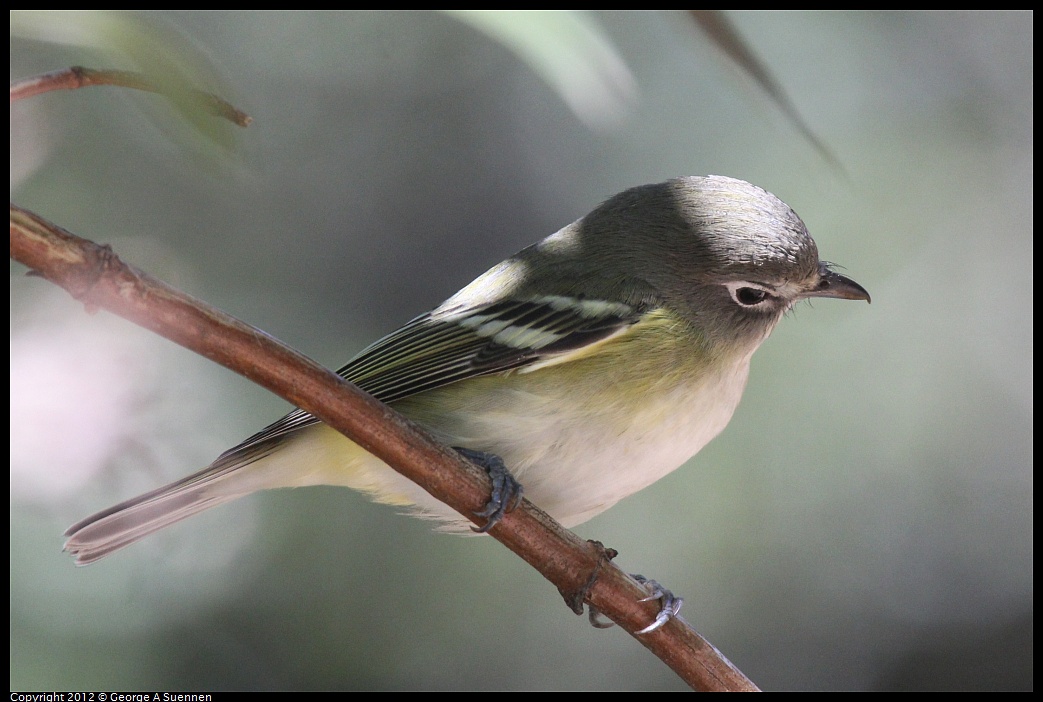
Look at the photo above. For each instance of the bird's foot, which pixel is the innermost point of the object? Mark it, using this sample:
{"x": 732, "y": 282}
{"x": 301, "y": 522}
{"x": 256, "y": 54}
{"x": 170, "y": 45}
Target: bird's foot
{"x": 575, "y": 599}
{"x": 668, "y": 609}
{"x": 506, "y": 493}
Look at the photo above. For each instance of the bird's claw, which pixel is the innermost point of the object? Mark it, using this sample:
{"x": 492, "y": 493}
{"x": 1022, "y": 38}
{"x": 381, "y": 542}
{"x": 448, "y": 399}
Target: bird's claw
{"x": 506, "y": 494}
{"x": 670, "y": 605}
{"x": 594, "y": 617}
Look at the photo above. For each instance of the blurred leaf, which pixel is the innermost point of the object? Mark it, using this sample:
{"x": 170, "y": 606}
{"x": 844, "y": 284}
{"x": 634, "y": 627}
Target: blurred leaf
{"x": 723, "y": 34}
{"x": 168, "y": 59}
{"x": 568, "y": 50}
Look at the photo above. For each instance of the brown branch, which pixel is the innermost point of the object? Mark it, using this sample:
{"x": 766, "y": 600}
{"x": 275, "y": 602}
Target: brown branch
{"x": 95, "y": 276}
{"x": 79, "y": 77}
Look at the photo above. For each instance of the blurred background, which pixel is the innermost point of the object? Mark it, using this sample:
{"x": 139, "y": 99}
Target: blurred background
{"x": 865, "y": 522}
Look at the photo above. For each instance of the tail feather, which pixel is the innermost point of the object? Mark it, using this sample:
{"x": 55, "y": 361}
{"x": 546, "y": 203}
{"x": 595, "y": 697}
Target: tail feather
{"x": 98, "y": 536}
{"x": 121, "y": 525}
{"x": 312, "y": 455}
{"x": 112, "y": 529}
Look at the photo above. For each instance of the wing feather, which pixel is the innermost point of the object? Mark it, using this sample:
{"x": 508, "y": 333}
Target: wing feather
{"x": 449, "y": 345}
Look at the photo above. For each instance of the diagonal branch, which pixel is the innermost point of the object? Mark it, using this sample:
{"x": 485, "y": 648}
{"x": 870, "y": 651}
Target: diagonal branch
{"x": 76, "y": 77}
{"x": 95, "y": 276}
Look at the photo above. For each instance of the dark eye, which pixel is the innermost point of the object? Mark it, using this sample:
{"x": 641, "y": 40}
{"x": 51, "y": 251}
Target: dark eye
{"x": 750, "y": 296}
{"x": 746, "y": 293}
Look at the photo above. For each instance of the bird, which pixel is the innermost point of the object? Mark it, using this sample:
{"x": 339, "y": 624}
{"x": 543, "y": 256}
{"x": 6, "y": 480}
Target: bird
{"x": 589, "y": 365}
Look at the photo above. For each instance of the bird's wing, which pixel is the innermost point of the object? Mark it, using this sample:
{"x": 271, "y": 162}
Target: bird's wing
{"x": 449, "y": 345}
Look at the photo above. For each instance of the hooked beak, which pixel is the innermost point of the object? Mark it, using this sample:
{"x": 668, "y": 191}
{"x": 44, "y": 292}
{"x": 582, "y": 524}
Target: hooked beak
{"x": 832, "y": 284}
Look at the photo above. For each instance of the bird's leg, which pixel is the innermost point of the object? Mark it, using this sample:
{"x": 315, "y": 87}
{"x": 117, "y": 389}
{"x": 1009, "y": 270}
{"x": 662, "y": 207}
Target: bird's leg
{"x": 670, "y": 605}
{"x": 574, "y": 600}
{"x": 669, "y": 609}
{"x": 506, "y": 492}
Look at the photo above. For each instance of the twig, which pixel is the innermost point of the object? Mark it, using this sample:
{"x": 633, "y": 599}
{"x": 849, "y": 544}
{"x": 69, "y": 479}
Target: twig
{"x": 79, "y": 77}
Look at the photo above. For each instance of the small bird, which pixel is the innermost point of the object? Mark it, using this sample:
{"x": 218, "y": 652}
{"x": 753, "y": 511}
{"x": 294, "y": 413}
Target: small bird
{"x": 591, "y": 363}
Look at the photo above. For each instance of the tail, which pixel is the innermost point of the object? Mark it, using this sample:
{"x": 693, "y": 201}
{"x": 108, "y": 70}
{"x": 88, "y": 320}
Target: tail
{"x": 293, "y": 452}
{"x": 121, "y": 525}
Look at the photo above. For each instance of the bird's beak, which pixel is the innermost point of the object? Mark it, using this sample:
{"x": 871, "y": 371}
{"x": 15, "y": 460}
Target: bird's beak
{"x": 832, "y": 284}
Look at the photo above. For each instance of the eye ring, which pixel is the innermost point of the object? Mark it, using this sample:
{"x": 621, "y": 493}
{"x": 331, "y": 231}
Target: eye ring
{"x": 749, "y": 295}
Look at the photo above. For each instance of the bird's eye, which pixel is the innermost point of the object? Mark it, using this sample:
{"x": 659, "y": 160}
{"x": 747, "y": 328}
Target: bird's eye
{"x": 750, "y": 296}
{"x": 747, "y": 294}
